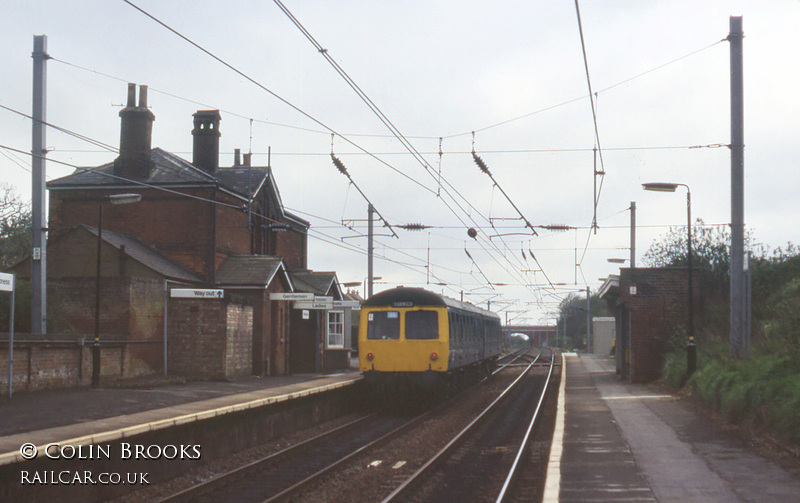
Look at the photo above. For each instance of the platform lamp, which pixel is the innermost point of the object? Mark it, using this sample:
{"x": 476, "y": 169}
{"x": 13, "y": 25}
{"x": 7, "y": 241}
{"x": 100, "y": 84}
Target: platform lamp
{"x": 113, "y": 199}
{"x": 691, "y": 348}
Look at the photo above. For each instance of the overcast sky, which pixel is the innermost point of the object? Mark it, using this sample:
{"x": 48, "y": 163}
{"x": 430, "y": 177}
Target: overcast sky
{"x": 511, "y": 71}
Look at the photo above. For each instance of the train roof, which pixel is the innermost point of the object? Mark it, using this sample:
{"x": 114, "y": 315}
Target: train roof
{"x": 408, "y": 297}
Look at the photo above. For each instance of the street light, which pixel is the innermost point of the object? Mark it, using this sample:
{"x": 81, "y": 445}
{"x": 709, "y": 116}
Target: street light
{"x": 691, "y": 349}
{"x": 113, "y": 199}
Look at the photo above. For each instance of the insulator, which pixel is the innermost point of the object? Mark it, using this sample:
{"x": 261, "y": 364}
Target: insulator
{"x": 557, "y": 227}
{"x": 339, "y": 165}
{"x": 480, "y": 163}
{"x": 414, "y": 227}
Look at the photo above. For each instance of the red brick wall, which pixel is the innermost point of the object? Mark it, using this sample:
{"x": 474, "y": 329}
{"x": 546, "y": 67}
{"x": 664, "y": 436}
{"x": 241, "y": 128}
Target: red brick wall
{"x": 659, "y": 305}
{"x": 291, "y": 246}
{"x": 280, "y": 337}
{"x": 210, "y": 338}
{"x": 59, "y": 361}
{"x": 196, "y": 337}
{"x": 179, "y": 227}
{"x": 239, "y": 352}
{"x": 233, "y": 236}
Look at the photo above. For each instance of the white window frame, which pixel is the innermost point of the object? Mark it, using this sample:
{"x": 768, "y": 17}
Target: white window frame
{"x": 334, "y": 334}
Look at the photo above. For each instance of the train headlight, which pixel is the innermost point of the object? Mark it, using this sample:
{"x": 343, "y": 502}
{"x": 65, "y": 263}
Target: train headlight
{"x": 370, "y": 356}
{"x": 434, "y": 357}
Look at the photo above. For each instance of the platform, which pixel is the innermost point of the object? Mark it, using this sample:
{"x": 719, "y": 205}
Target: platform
{"x": 637, "y": 443}
{"x": 91, "y": 416}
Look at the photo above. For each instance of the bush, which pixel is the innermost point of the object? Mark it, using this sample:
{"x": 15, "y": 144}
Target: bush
{"x": 675, "y": 369}
{"x": 763, "y": 391}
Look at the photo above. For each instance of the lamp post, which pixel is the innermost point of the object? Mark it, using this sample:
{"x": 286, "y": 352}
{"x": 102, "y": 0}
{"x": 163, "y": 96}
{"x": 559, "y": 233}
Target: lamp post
{"x": 113, "y": 199}
{"x": 691, "y": 348}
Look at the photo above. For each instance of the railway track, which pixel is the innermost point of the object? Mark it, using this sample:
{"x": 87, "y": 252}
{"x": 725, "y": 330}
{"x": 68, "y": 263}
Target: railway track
{"x": 483, "y": 460}
{"x": 277, "y": 475}
{"x": 283, "y": 475}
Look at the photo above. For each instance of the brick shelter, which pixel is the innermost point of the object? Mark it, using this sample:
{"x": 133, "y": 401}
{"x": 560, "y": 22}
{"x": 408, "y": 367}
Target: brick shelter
{"x": 648, "y": 303}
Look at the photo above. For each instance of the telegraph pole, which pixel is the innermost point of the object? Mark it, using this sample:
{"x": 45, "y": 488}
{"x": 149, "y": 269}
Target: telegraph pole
{"x": 737, "y": 190}
{"x": 38, "y": 192}
{"x": 633, "y": 234}
{"x": 588, "y": 321}
{"x": 370, "y": 248}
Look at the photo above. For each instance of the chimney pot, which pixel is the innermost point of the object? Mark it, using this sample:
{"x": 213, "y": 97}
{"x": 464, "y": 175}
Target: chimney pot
{"x": 142, "y": 96}
{"x": 136, "y": 130}
{"x": 131, "y": 95}
{"x": 205, "y": 152}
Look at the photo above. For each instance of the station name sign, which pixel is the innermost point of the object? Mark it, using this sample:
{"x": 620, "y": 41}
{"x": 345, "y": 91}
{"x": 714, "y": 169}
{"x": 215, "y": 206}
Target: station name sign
{"x": 196, "y": 293}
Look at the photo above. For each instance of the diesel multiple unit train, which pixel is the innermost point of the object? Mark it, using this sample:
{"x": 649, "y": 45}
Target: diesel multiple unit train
{"x": 411, "y": 337}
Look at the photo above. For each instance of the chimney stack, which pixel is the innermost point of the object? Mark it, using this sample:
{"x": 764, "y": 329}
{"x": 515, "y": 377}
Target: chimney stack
{"x": 237, "y": 153}
{"x": 135, "y": 137}
{"x": 247, "y": 158}
{"x": 205, "y": 154}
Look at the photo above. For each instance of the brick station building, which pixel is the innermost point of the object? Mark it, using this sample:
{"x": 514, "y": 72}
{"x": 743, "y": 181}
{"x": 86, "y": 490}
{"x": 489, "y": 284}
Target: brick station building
{"x": 197, "y": 225}
{"x": 647, "y": 304}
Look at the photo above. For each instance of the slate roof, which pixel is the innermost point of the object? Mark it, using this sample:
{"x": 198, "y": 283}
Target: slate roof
{"x": 256, "y": 271}
{"x": 146, "y": 256}
{"x": 318, "y": 283}
{"x": 168, "y": 169}
{"x": 172, "y": 171}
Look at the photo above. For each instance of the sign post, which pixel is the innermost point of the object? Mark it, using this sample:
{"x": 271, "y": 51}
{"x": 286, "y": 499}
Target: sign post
{"x": 196, "y": 293}
{"x": 7, "y": 285}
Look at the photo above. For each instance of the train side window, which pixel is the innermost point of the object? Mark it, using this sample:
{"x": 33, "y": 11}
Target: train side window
{"x": 383, "y": 325}
{"x": 422, "y": 325}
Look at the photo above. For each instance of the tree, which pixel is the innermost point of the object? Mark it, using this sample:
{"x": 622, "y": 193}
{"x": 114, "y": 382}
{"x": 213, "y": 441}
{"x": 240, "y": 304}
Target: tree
{"x": 15, "y": 227}
{"x": 572, "y": 314}
{"x": 710, "y": 248}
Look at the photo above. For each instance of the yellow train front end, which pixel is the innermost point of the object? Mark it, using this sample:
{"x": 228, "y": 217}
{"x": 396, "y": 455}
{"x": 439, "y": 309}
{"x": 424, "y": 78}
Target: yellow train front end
{"x": 403, "y": 339}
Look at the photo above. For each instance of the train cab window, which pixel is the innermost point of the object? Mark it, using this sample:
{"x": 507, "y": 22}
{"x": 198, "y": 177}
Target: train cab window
{"x": 383, "y": 325}
{"x": 422, "y": 325}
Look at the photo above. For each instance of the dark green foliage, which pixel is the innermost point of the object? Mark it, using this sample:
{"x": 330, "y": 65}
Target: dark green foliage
{"x": 764, "y": 390}
{"x": 572, "y": 314}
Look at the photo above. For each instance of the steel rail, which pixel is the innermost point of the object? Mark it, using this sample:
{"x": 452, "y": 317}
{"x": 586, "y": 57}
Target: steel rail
{"x": 524, "y": 444}
{"x": 363, "y": 448}
{"x": 384, "y": 438}
{"x": 416, "y": 475}
{"x": 195, "y": 489}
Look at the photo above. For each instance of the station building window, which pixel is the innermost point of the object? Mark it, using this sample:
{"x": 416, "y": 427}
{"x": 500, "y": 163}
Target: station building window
{"x": 336, "y": 329}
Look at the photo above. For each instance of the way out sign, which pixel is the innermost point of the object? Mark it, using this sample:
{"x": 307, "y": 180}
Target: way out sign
{"x": 196, "y": 293}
